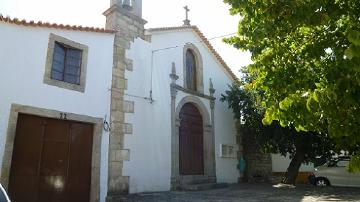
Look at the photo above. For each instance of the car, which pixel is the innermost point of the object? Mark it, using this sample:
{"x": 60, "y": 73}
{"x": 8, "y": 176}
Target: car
{"x": 3, "y": 195}
{"x": 335, "y": 173}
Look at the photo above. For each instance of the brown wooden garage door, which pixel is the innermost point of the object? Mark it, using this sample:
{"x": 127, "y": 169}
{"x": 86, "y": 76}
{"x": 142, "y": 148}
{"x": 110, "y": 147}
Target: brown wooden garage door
{"x": 191, "y": 141}
{"x": 51, "y": 161}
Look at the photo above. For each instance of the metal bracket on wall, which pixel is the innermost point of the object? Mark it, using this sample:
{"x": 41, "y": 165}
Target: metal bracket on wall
{"x": 106, "y": 125}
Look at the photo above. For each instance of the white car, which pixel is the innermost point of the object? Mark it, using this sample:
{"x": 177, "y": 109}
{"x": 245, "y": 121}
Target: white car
{"x": 335, "y": 173}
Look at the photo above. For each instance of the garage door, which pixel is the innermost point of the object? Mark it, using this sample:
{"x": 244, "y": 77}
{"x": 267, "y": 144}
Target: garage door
{"x": 51, "y": 160}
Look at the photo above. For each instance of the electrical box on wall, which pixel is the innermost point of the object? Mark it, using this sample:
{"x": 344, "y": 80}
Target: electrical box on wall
{"x": 227, "y": 151}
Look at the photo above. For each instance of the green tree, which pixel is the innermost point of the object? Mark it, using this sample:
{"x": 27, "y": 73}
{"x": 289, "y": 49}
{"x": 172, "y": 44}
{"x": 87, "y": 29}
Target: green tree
{"x": 306, "y": 56}
{"x": 303, "y": 147}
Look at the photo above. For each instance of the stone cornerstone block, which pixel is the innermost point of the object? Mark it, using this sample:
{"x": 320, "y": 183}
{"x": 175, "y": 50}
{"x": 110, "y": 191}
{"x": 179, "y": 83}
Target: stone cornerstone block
{"x": 128, "y": 106}
{"x": 128, "y": 26}
{"x": 128, "y": 128}
{"x": 129, "y": 64}
{"x": 119, "y": 183}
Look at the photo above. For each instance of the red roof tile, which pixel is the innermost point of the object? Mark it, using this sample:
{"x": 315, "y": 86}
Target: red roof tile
{"x": 53, "y": 25}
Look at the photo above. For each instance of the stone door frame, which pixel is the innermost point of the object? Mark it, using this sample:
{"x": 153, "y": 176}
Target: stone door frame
{"x": 209, "y": 147}
{"x": 96, "y": 149}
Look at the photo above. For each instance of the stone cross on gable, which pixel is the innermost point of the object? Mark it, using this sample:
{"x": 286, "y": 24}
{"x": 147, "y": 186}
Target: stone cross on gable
{"x": 186, "y": 11}
{"x": 187, "y": 21}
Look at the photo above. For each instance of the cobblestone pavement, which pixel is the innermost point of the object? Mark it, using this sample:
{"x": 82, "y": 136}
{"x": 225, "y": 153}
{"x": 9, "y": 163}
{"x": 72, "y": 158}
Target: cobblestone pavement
{"x": 251, "y": 192}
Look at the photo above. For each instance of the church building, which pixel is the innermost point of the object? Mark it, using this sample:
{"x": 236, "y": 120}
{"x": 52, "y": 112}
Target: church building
{"x": 90, "y": 114}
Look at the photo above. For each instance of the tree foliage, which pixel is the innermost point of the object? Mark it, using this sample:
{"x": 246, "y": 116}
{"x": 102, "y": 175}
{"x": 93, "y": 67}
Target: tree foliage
{"x": 303, "y": 147}
{"x": 306, "y": 60}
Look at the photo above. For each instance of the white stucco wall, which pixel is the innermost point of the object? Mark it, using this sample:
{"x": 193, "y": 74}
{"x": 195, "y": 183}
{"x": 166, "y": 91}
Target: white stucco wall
{"x": 281, "y": 163}
{"x": 149, "y": 167}
{"x": 22, "y": 64}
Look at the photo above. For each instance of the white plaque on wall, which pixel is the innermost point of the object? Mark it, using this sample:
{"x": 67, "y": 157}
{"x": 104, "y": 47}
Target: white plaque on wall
{"x": 227, "y": 151}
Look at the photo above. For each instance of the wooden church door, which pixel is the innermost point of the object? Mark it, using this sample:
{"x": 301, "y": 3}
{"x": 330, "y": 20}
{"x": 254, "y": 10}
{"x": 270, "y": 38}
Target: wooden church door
{"x": 191, "y": 150}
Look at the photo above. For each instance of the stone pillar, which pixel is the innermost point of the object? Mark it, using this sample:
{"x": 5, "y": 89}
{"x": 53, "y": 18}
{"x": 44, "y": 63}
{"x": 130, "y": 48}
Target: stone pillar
{"x": 174, "y": 124}
{"x": 212, "y": 107}
{"x": 128, "y": 26}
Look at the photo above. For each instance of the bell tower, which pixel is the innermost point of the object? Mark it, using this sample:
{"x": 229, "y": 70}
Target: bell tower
{"x": 125, "y": 17}
{"x": 134, "y": 6}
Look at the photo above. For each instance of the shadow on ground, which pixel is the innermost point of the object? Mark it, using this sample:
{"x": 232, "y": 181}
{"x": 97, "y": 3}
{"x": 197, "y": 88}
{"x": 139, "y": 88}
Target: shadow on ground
{"x": 252, "y": 192}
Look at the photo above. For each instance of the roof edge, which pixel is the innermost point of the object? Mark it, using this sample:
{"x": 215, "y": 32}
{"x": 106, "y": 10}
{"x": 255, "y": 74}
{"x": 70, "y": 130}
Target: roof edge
{"x": 162, "y": 29}
{"x": 203, "y": 38}
{"x": 41, "y": 24}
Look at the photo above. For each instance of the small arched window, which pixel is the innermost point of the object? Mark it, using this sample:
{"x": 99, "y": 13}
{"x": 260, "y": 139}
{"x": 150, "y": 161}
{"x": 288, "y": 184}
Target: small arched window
{"x": 190, "y": 70}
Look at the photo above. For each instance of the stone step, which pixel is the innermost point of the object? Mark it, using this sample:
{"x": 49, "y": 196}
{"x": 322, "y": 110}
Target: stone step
{"x": 197, "y": 180}
{"x": 201, "y": 187}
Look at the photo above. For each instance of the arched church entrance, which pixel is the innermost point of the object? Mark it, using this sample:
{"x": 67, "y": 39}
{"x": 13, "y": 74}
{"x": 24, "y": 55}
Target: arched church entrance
{"x": 192, "y": 143}
{"x": 191, "y": 138}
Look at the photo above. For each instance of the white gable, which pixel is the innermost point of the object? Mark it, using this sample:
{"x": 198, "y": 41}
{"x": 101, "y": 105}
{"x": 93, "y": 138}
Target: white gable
{"x": 179, "y": 36}
{"x": 150, "y": 145}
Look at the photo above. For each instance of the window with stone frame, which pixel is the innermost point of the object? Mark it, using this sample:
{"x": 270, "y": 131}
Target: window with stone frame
{"x": 191, "y": 70}
{"x": 66, "y": 64}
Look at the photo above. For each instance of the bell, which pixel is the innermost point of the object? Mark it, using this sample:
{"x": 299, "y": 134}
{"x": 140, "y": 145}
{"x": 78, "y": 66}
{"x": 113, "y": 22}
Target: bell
{"x": 127, "y": 4}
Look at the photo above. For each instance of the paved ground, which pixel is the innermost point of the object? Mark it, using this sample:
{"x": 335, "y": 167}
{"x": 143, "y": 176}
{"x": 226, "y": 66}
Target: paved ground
{"x": 253, "y": 193}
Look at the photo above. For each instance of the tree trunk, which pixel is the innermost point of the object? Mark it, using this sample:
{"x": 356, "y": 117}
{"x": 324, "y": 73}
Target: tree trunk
{"x": 293, "y": 169}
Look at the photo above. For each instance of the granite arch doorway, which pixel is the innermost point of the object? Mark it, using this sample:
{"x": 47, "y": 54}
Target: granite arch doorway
{"x": 203, "y": 142}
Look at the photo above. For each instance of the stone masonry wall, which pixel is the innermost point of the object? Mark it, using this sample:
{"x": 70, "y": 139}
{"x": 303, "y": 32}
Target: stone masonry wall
{"x": 128, "y": 27}
{"x": 258, "y": 164}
